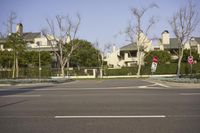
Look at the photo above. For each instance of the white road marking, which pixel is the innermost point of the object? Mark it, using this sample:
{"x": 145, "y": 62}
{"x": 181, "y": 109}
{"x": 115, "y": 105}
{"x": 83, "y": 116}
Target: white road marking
{"x": 162, "y": 85}
{"x": 29, "y": 117}
{"x": 98, "y": 88}
{"x": 155, "y": 83}
{"x": 21, "y": 96}
{"x": 110, "y": 116}
{"x": 189, "y": 94}
{"x": 101, "y": 117}
{"x": 142, "y": 86}
{"x": 183, "y": 116}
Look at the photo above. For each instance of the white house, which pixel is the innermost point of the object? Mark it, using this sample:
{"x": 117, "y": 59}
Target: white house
{"x": 113, "y": 58}
{"x": 172, "y": 44}
{"x": 127, "y": 55}
{"x": 35, "y": 40}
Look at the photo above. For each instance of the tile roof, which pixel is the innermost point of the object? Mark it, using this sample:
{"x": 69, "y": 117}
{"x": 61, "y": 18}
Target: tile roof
{"x": 129, "y": 47}
{"x": 27, "y": 36}
{"x": 174, "y": 44}
{"x": 197, "y": 39}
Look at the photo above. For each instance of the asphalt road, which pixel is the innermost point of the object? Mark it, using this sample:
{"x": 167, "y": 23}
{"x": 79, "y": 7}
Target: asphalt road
{"x": 100, "y": 106}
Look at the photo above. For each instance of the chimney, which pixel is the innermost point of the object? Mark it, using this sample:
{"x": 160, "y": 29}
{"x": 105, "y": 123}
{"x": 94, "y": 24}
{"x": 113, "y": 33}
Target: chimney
{"x": 114, "y": 48}
{"x": 165, "y": 37}
{"x": 19, "y": 29}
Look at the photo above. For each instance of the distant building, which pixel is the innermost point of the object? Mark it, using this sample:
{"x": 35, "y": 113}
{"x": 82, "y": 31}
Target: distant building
{"x": 126, "y": 56}
{"x": 172, "y": 44}
{"x": 34, "y": 40}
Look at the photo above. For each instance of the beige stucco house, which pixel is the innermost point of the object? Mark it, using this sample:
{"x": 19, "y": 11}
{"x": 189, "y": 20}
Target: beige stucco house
{"x": 172, "y": 44}
{"x": 126, "y": 56}
{"x": 35, "y": 41}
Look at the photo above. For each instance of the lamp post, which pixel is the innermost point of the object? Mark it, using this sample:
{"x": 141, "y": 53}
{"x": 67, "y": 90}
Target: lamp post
{"x": 39, "y": 62}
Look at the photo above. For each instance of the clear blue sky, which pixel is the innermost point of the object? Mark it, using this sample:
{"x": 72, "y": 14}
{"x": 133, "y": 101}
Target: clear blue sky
{"x": 102, "y": 20}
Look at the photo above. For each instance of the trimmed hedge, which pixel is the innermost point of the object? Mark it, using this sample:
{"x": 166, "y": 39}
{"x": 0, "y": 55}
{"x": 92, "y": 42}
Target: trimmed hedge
{"x": 161, "y": 69}
{"x": 48, "y": 72}
{"x": 25, "y": 73}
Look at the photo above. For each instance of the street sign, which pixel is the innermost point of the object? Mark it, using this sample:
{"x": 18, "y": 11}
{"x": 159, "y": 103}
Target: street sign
{"x": 155, "y": 59}
{"x": 190, "y": 60}
{"x": 153, "y": 67}
{"x": 154, "y": 64}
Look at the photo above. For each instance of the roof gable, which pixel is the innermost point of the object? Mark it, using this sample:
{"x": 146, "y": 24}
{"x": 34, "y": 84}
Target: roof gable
{"x": 27, "y": 36}
{"x": 173, "y": 44}
{"x": 129, "y": 47}
{"x": 31, "y": 36}
{"x": 197, "y": 39}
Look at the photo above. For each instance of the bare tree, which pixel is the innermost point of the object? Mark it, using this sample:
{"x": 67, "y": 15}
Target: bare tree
{"x": 102, "y": 55}
{"x": 10, "y": 22}
{"x": 9, "y": 25}
{"x": 62, "y": 42}
{"x": 138, "y": 35}
{"x": 183, "y": 24}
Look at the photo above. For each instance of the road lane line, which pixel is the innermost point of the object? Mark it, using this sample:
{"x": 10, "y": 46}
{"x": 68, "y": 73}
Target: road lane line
{"x": 110, "y": 117}
{"x": 156, "y": 83}
{"x": 100, "y": 88}
{"x": 189, "y": 94}
{"x": 162, "y": 85}
{"x": 142, "y": 86}
{"x": 21, "y": 96}
{"x": 25, "y": 117}
{"x": 101, "y": 117}
{"x": 183, "y": 116}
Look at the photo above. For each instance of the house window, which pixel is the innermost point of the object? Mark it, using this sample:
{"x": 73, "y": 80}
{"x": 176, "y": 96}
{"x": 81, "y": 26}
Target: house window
{"x": 132, "y": 54}
{"x": 39, "y": 43}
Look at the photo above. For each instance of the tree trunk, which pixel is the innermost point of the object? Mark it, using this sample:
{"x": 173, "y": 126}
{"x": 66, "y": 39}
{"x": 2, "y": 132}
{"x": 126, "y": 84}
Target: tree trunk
{"x": 17, "y": 67}
{"x": 139, "y": 69}
{"x": 179, "y": 62}
{"x": 67, "y": 68}
{"x": 63, "y": 71}
{"x": 13, "y": 73}
{"x": 139, "y": 64}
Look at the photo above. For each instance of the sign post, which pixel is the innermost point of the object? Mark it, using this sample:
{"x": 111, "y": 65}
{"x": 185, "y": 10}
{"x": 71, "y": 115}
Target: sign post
{"x": 190, "y": 61}
{"x": 154, "y": 64}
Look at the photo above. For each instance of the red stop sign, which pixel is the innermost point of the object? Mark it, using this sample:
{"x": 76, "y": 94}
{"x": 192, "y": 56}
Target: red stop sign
{"x": 190, "y": 60}
{"x": 155, "y": 59}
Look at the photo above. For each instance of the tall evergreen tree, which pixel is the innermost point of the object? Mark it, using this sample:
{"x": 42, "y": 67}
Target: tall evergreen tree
{"x": 17, "y": 45}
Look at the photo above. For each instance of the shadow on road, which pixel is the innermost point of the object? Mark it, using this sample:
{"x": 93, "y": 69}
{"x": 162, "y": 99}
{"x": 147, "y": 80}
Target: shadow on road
{"x": 21, "y": 90}
{"x": 13, "y": 103}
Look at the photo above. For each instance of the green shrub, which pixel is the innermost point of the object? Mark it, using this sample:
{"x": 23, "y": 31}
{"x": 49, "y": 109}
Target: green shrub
{"x": 122, "y": 71}
{"x": 162, "y": 68}
{"x": 163, "y": 56}
{"x": 187, "y": 53}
